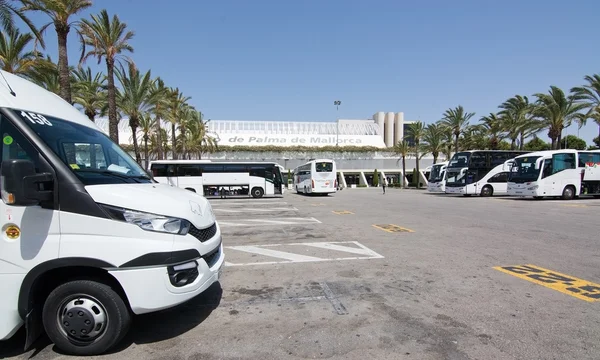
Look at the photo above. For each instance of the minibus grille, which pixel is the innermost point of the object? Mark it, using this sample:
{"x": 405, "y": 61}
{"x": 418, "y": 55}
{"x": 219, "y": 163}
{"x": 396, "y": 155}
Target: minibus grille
{"x": 203, "y": 234}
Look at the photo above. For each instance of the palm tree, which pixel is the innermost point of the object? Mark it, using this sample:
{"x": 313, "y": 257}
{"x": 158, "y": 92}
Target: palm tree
{"x": 108, "y": 39}
{"x": 7, "y": 21}
{"x": 45, "y": 74}
{"x": 557, "y": 111}
{"x": 133, "y": 99}
{"x": 15, "y": 57}
{"x": 177, "y": 104}
{"x": 492, "y": 125}
{"x": 457, "y": 120}
{"x": 589, "y": 95}
{"x": 59, "y": 12}
{"x": 146, "y": 123}
{"x": 434, "y": 140}
{"x": 403, "y": 149}
{"x": 89, "y": 91}
{"x": 416, "y": 131}
{"x": 199, "y": 141}
{"x": 159, "y": 98}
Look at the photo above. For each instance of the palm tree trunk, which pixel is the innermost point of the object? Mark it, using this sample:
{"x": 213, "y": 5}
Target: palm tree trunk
{"x": 456, "y": 142}
{"x": 435, "y": 156}
{"x": 173, "y": 141}
{"x": 159, "y": 136}
{"x": 417, "y": 168}
{"x": 113, "y": 122}
{"x": 146, "y": 150}
{"x": 404, "y": 171}
{"x": 63, "y": 64}
{"x": 136, "y": 148}
{"x": 521, "y": 142}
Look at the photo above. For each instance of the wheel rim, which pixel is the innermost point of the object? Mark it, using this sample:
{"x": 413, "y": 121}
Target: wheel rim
{"x": 486, "y": 191}
{"x": 82, "y": 318}
{"x": 568, "y": 192}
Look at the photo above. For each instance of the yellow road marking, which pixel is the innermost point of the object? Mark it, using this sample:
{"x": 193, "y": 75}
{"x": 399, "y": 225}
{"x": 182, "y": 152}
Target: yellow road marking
{"x": 581, "y": 289}
{"x": 575, "y": 205}
{"x": 391, "y": 228}
{"x": 342, "y": 212}
{"x": 319, "y": 204}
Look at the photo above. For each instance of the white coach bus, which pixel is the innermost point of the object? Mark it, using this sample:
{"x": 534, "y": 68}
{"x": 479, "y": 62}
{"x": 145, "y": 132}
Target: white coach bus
{"x": 256, "y": 179}
{"x": 480, "y": 172}
{"x": 556, "y": 173}
{"x": 437, "y": 177}
{"x": 88, "y": 238}
{"x": 316, "y": 177}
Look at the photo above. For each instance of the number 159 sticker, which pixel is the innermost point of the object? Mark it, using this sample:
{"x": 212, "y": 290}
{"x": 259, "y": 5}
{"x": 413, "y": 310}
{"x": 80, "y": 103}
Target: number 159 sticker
{"x": 37, "y": 119}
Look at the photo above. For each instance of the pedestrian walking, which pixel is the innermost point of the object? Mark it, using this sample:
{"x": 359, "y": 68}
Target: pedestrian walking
{"x": 383, "y": 186}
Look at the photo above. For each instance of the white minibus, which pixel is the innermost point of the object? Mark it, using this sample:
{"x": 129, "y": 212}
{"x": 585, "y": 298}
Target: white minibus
{"x": 88, "y": 238}
{"x": 556, "y": 173}
{"x": 256, "y": 179}
{"x": 317, "y": 176}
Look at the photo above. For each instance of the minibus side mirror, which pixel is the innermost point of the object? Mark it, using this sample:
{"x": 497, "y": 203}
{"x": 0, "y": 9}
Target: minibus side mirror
{"x": 22, "y": 186}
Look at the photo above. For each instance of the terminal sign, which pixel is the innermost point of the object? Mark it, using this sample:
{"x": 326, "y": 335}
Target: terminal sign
{"x": 305, "y": 140}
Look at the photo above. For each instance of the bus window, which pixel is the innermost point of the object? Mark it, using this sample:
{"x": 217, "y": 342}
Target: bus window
{"x": 547, "y": 168}
{"x": 188, "y": 170}
{"x": 324, "y": 166}
{"x": 562, "y": 162}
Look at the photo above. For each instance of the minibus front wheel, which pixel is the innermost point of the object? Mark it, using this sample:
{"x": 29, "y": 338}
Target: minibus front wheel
{"x": 85, "y": 317}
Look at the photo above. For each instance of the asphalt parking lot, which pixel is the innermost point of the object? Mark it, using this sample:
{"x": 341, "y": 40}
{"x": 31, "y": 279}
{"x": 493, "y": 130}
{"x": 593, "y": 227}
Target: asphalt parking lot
{"x": 407, "y": 274}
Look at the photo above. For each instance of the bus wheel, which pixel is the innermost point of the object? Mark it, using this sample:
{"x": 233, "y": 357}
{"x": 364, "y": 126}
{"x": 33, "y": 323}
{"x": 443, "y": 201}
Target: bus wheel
{"x": 85, "y": 317}
{"x": 257, "y": 192}
{"x": 568, "y": 193}
{"x": 487, "y": 191}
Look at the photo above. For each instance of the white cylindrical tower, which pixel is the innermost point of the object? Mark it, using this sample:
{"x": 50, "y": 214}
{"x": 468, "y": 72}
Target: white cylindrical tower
{"x": 389, "y": 129}
{"x": 399, "y": 133}
{"x": 380, "y": 120}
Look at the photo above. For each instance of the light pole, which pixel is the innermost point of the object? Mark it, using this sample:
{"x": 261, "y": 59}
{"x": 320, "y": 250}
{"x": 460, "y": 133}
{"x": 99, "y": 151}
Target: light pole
{"x": 337, "y": 104}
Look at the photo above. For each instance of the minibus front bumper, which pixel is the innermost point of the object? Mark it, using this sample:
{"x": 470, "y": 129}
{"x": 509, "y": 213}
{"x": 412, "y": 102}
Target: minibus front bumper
{"x": 156, "y": 288}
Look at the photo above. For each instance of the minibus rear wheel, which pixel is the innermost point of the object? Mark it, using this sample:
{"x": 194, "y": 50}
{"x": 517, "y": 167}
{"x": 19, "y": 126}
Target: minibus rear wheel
{"x": 85, "y": 317}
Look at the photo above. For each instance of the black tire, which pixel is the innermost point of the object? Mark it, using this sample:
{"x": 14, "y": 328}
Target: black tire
{"x": 487, "y": 191}
{"x": 85, "y": 297}
{"x": 568, "y": 192}
{"x": 257, "y": 192}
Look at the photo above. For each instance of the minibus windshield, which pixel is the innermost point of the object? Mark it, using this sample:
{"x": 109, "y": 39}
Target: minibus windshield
{"x": 88, "y": 152}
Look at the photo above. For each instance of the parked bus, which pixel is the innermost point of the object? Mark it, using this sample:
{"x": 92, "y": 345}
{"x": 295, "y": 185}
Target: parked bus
{"x": 437, "y": 177}
{"x": 256, "y": 179}
{"x": 479, "y": 172}
{"x": 556, "y": 173}
{"x": 316, "y": 176}
{"x": 87, "y": 244}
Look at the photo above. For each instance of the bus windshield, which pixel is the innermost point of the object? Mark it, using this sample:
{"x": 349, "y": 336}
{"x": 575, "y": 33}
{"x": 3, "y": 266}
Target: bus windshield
{"x": 90, "y": 154}
{"x": 436, "y": 174}
{"x": 524, "y": 170}
{"x": 455, "y": 177}
{"x": 324, "y": 166}
{"x": 460, "y": 160}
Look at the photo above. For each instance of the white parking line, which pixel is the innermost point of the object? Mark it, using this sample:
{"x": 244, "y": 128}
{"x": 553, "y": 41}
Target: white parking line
{"x": 249, "y": 202}
{"x": 287, "y": 257}
{"x": 245, "y": 209}
{"x": 270, "y": 222}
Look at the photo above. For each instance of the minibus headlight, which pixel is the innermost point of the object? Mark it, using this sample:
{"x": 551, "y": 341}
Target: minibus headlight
{"x": 148, "y": 221}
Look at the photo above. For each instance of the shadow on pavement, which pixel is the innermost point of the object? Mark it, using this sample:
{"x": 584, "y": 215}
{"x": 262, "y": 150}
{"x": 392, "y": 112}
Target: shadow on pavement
{"x": 145, "y": 329}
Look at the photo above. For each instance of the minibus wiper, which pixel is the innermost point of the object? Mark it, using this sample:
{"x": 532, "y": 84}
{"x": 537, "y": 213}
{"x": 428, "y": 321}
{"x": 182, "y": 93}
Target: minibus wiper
{"x": 116, "y": 174}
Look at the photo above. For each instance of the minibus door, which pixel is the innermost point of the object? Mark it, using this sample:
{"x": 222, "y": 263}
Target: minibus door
{"x": 30, "y": 225}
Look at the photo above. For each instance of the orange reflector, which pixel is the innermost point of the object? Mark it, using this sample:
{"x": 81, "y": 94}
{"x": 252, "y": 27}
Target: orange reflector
{"x": 10, "y": 198}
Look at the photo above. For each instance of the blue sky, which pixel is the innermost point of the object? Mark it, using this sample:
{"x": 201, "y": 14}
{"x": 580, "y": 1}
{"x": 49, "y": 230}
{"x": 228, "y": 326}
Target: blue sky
{"x": 289, "y": 60}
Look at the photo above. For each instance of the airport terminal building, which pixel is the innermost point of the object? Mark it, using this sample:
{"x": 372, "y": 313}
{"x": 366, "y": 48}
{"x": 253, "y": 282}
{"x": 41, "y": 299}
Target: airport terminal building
{"x": 293, "y": 143}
